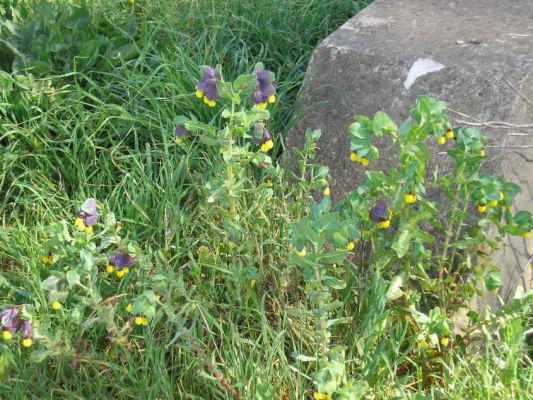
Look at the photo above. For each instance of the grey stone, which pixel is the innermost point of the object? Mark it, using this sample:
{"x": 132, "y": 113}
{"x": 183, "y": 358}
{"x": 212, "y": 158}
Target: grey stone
{"x": 477, "y": 55}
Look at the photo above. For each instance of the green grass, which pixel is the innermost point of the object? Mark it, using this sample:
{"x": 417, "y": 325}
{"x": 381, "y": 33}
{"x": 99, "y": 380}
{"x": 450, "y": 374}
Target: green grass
{"x": 109, "y": 135}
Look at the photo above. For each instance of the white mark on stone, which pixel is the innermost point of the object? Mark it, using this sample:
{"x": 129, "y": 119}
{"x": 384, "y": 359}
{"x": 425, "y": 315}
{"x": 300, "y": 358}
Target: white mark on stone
{"x": 367, "y": 20}
{"x": 421, "y": 67}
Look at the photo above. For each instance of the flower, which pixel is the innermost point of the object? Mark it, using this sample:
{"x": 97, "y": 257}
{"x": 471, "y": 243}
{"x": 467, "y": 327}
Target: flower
{"x": 56, "y": 305}
{"x": 449, "y": 134}
{"x": 48, "y": 259}
{"x": 269, "y": 182}
{"x": 526, "y": 235}
{"x": 410, "y": 198}
{"x": 140, "y": 320}
{"x": 482, "y": 207}
{"x": 87, "y": 216}
{"x": 355, "y": 157}
{"x": 441, "y": 140}
{"x": 364, "y": 162}
{"x": 302, "y": 253}
{"x": 129, "y": 307}
{"x": 27, "y": 333}
{"x": 262, "y": 134}
{"x": 120, "y": 263}
{"x": 181, "y": 131}
{"x": 493, "y": 203}
{"x": 206, "y": 89}
{"x": 444, "y": 341}
{"x": 380, "y": 214}
{"x": 321, "y": 396}
{"x": 350, "y": 246}
{"x": 326, "y": 192}
{"x": 265, "y": 92}
{"x": 10, "y": 322}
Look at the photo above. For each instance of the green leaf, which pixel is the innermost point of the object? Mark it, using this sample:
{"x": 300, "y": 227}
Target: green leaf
{"x": 305, "y": 233}
{"x": 395, "y": 289}
{"x": 245, "y": 84}
{"x": 73, "y": 278}
{"x": 383, "y": 124}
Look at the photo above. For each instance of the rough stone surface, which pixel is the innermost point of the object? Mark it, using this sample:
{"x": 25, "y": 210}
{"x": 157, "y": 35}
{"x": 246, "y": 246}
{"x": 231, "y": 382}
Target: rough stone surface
{"x": 477, "y": 55}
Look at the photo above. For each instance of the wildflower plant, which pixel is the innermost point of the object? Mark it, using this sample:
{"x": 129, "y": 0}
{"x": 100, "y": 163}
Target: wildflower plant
{"x": 427, "y": 264}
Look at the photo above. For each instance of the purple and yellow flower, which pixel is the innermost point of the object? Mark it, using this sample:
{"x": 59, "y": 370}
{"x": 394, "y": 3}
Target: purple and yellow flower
{"x": 181, "y": 132}
{"x": 206, "y": 89}
{"x": 10, "y": 322}
{"x": 27, "y": 333}
{"x": 265, "y": 92}
{"x": 381, "y": 214}
{"x": 87, "y": 216}
{"x": 262, "y": 134}
{"x": 120, "y": 263}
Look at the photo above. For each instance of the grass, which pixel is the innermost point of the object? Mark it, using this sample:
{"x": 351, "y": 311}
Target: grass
{"x": 109, "y": 135}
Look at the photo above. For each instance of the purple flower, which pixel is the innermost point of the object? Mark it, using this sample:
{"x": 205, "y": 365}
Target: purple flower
{"x": 262, "y": 136}
{"x": 10, "y": 320}
{"x": 380, "y": 212}
{"x": 121, "y": 260}
{"x": 27, "y": 330}
{"x": 87, "y": 216}
{"x": 207, "y": 87}
{"x": 181, "y": 131}
{"x": 264, "y": 89}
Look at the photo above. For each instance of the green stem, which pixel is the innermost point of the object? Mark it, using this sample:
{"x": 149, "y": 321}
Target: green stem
{"x": 323, "y": 327}
{"x": 233, "y": 205}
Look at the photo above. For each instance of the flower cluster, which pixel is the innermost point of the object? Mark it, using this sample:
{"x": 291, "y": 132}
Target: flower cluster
{"x": 120, "y": 263}
{"x": 448, "y": 135}
{"x": 265, "y": 92}
{"x": 206, "y": 89}
{"x": 356, "y": 158}
{"x": 11, "y": 324}
{"x": 87, "y": 216}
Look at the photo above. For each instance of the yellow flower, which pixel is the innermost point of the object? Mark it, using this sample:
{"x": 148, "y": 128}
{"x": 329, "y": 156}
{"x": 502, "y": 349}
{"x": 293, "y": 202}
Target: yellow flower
{"x": 79, "y": 224}
{"x": 49, "y": 259}
{"x": 56, "y": 305}
{"x": 502, "y": 196}
{"x": 252, "y": 283}
{"x": 267, "y": 146}
{"x": 109, "y": 268}
{"x": 441, "y": 140}
{"x": 302, "y": 252}
{"x": 27, "y": 342}
{"x": 88, "y": 229}
{"x": 526, "y": 235}
{"x": 7, "y": 335}
{"x": 199, "y": 93}
{"x": 269, "y": 183}
{"x": 350, "y": 246}
{"x": 482, "y": 208}
{"x": 321, "y": 396}
{"x": 126, "y": 270}
{"x": 355, "y": 157}
{"x": 364, "y": 162}
{"x": 138, "y": 320}
{"x": 493, "y": 203}
{"x": 120, "y": 273}
{"x": 409, "y": 198}
{"x": 384, "y": 224}
{"x": 262, "y": 106}
{"x": 444, "y": 341}
{"x": 129, "y": 307}
{"x": 178, "y": 140}
{"x": 145, "y": 321}
{"x": 326, "y": 192}
{"x": 271, "y": 99}
{"x": 449, "y": 134}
